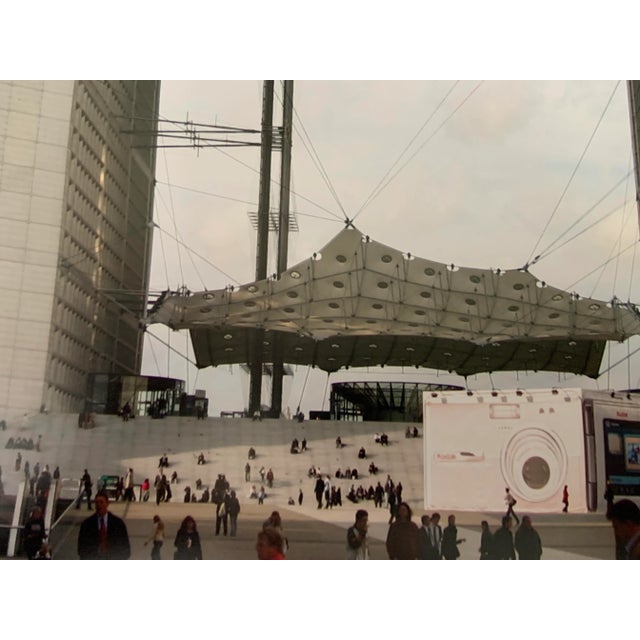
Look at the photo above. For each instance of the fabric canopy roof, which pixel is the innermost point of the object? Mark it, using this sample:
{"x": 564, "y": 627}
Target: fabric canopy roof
{"x": 360, "y": 303}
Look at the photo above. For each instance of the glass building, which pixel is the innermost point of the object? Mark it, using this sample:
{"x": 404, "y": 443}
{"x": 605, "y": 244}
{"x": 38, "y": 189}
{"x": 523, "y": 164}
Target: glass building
{"x": 381, "y": 401}
{"x": 76, "y": 205}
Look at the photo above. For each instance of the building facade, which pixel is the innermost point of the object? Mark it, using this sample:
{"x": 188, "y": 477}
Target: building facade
{"x": 77, "y": 167}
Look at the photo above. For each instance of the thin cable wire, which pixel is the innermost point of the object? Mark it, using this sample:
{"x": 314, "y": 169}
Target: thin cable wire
{"x": 623, "y": 222}
{"x": 615, "y": 364}
{"x": 273, "y": 181}
{"x": 304, "y": 386}
{"x": 579, "y": 233}
{"x": 162, "y": 249}
{"x": 153, "y": 353}
{"x": 247, "y": 202}
{"x": 601, "y": 266}
{"x": 442, "y": 124}
{"x": 633, "y": 263}
{"x": 224, "y": 273}
{"x": 575, "y": 170}
{"x": 318, "y": 163}
{"x": 548, "y": 249}
{"x": 404, "y": 151}
{"x": 173, "y": 216}
{"x": 189, "y": 251}
{"x": 170, "y": 348}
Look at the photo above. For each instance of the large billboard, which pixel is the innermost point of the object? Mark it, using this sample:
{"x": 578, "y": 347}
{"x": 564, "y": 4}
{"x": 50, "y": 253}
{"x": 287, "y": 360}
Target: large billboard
{"x": 479, "y": 443}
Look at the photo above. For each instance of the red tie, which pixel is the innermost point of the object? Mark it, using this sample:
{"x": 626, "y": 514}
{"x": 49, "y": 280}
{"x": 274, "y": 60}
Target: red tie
{"x": 102, "y": 546}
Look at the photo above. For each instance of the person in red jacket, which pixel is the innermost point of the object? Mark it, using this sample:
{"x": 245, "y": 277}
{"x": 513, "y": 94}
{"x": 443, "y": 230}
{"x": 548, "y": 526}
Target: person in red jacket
{"x": 270, "y": 545}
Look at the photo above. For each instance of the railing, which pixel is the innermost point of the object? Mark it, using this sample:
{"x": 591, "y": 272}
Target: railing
{"x": 17, "y": 517}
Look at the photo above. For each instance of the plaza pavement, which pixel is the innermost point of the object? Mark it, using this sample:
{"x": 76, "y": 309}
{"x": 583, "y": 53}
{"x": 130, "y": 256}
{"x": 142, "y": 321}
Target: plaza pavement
{"x": 113, "y": 446}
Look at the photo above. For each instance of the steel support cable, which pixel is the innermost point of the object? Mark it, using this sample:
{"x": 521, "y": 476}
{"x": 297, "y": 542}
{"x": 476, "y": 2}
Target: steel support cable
{"x": 529, "y": 315}
{"x": 194, "y": 252}
{"x": 601, "y": 266}
{"x": 189, "y": 251}
{"x": 173, "y": 216}
{"x": 575, "y": 170}
{"x": 314, "y": 156}
{"x": 440, "y": 126}
{"x": 162, "y": 249}
{"x": 273, "y": 181}
{"x": 153, "y": 353}
{"x": 247, "y": 202}
{"x": 633, "y": 263}
{"x": 616, "y": 246}
{"x": 404, "y": 151}
{"x": 318, "y": 163}
{"x": 615, "y": 364}
{"x": 304, "y": 386}
{"x": 170, "y": 348}
{"x": 548, "y": 249}
{"x": 623, "y": 222}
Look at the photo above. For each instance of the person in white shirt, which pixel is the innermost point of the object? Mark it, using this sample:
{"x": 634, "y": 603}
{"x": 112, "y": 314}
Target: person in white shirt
{"x": 435, "y": 537}
{"x": 157, "y": 537}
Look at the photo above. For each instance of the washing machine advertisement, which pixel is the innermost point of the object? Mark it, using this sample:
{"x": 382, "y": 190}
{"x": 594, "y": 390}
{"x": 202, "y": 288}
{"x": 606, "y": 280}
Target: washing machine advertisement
{"x": 477, "y": 444}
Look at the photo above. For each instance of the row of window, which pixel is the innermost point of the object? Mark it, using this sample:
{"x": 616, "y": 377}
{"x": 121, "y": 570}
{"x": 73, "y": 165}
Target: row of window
{"x": 61, "y": 401}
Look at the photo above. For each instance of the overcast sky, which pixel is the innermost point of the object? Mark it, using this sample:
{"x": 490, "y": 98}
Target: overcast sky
{"x": 472, "y": 173}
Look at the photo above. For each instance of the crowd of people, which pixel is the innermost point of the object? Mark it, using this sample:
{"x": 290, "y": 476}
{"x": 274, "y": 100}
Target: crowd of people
{"x": 515, "y": 538}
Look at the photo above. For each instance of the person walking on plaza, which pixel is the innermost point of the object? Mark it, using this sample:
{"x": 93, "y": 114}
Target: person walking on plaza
{"x": 222, "y": 512}
{"x": 486, "y": 542}
{"x": 157, "y": 537}
{"x": 435, "y": 536}
{"x": 128, "y": 486}
{"x": 159, "y": 486}
{"x": 625, "y": 520}
{"x": 450, "y": 540}
{"x": 426, "y": 550}
{"x": 274, "y": 521}
{"x": 319, "y": 491}
{"x": 85, "y": 488}
{"x": 233, "y": 509}
{"x": 33, "y": 533}
{"x": 145, "y": 487}
{"x": 103, "y": 536}
{"x": 511, "y": 502}
{"x": 378, "y": 495}
{"x": 187, "y": 542}
{"x": 327, "y": 492}
{"x": 247, "y": 472}
{"x": 503, "y": 541}
{"x": 357, "y": 544}
{"x": 527, "y": 541}
{"x": 565, "y": 499}
{"x": 269, "y": 545}
{"x": 270, "y": 478}
{"x": 403, "y": 537}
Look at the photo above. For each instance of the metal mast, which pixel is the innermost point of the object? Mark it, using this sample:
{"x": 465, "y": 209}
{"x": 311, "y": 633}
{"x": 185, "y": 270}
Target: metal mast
{"x": 283, "y": 236}
{"x": 255, "y": 382}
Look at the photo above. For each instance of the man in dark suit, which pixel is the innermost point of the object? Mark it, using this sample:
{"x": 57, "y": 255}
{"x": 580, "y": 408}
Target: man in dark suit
{"x": 426, "y": 550}
{"x": 103, "y": 536}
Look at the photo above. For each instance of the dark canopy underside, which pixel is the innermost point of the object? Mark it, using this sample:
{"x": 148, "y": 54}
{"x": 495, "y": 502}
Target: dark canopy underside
{"x": 359, "y": 303}
{"x": 340, "y": 352}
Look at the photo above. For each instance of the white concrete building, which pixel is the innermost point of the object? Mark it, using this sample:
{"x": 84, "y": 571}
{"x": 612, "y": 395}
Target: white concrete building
{"x": 77, "y": 166}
